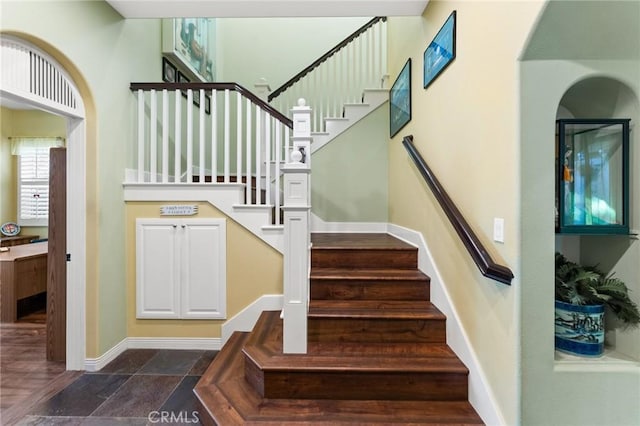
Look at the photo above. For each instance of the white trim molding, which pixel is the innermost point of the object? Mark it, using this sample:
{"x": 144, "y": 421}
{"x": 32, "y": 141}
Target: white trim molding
{"x": 247, "y": 318}
{"x": 182, "y": 343}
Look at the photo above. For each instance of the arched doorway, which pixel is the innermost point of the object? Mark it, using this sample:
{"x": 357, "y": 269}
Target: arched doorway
{"x": 32, "y": 77}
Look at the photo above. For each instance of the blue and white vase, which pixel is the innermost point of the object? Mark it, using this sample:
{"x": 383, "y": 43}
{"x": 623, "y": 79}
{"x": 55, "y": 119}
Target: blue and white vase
{"x": 580, "y": 329}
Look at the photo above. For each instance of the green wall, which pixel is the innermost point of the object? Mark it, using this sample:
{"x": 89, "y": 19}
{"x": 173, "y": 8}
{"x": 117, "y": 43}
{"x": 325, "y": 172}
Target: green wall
{"x": 350, "y": 174}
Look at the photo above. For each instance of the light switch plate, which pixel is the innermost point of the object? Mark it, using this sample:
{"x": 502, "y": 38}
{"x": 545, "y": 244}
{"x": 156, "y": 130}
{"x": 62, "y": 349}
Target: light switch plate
{"x": 498, "y": 229}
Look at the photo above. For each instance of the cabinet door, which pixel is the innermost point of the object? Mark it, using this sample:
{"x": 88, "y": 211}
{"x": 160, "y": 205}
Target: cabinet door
{"x": 157, "y": 269}
{"x": 204, "y": 268}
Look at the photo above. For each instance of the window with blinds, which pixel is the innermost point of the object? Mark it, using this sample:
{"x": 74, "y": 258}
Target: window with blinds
{"x": 33, "y": 187}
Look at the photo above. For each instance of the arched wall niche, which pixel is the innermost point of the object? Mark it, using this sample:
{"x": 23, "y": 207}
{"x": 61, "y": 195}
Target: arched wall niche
{"x": 606, "y": 97}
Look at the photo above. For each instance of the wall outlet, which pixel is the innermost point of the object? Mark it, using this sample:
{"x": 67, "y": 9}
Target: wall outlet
{"x": 498, "y": 229}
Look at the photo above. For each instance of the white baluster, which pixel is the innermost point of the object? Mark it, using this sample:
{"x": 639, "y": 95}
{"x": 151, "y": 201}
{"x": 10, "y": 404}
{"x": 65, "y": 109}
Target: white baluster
{"x": 189, "y": 136}
{"x": 214, "y": 136}
{"x": 165, "y": 136}
{"x": 203, "y": 103}
{"x": 239, "y": 138}
{"x": 267, "y": 157}
{"x": 259, "y": 130}
{"x": 141, "y": 121}
{"x": 227, "y": 135}
{"x": 177, "y": 151}
{"x": 278, "y": 158}
{"x": 248, "y": 179}
{"x": 153, "y": 137}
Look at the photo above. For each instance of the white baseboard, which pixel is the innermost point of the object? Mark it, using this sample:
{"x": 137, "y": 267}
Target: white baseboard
{"x": 319, "y": 225}
{"x": 95, "y": 364}
{"x": 480, "y": 394}
{"x": 246, "y": 319}
{"x": 184, "y": 343}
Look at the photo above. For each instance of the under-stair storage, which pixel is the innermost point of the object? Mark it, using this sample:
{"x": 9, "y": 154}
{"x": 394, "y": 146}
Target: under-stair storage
{"x": 376, "y": 352}
{"x": 181, "y": 268}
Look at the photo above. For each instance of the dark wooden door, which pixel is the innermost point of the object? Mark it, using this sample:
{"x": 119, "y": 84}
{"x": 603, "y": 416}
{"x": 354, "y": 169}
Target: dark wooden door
{"x": 57, "y": 258}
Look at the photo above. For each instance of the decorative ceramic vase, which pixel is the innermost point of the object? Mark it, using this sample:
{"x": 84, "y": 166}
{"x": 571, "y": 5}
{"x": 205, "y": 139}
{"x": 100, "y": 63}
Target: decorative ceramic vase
{"x": 580, "y": 329}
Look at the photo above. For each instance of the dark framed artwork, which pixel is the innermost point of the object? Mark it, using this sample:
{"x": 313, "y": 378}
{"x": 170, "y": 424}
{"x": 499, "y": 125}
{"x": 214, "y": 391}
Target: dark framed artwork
{"x": 400, "y": 100}
{"x": 441, "y": 51}
{"x": 169, "y": 71}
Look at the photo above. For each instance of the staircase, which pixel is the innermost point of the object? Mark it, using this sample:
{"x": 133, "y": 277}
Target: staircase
{"x": 377, "y": 351}
{"x": 351, "y": 114}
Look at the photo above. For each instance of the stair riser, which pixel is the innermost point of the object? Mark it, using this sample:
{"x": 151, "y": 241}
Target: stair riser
{"x": 337, "y": 289}
{"x": 366, "y": 386}
{"x": 376, "y": 330}
{"x": 364, "y": 258}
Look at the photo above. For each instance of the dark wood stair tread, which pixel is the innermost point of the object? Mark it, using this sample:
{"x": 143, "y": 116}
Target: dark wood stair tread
{"x": 374, "y": 309}
{"x": 225, "y": 397}
{"x": 368, "y": 274}
{"x": 264, "y": 347}
{"x": 358, "y": 241}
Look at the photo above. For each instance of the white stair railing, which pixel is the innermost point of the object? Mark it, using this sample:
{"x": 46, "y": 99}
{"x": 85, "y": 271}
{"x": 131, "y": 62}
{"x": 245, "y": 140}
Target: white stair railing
{"x": 203, "y": 133}
{"x": 340, "y": 75}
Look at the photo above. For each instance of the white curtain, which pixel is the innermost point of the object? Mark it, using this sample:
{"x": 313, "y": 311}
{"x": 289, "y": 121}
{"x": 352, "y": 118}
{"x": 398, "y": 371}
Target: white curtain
{"x": 24, "y": 145}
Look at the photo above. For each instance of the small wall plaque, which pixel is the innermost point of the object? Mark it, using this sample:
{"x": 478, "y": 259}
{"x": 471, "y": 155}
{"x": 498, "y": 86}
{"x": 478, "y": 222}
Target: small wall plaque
{"x": 178, "y": 210}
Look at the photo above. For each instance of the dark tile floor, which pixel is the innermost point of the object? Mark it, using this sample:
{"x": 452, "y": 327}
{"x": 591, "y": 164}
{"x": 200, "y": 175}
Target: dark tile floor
{"x": 140, "y": 387}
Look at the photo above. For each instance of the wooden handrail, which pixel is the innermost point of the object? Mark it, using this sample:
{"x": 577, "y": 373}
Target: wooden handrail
{"x": 324, "y": 57}
{"x": 481, "y": 257}
{"x": 216, "y": 86}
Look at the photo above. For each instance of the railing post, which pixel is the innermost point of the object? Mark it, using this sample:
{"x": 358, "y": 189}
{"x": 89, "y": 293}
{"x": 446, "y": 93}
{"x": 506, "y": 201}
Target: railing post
{"x": 297, "y": 204}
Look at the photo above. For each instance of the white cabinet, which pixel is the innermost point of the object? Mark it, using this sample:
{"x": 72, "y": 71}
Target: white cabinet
{"x": 181, "y": 268}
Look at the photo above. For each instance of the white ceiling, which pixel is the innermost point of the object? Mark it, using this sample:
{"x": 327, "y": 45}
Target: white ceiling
{"x": 266, "y": 8}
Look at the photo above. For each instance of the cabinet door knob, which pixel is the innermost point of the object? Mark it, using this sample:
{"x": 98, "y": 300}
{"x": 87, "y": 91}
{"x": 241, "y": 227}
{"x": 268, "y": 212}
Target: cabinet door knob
{"x": 184, "y": 226}
{"x": 175, "y": 226}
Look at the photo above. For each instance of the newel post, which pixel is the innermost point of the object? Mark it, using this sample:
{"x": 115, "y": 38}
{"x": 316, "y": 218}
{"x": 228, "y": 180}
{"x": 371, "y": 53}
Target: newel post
{"x": 297, "y": 237}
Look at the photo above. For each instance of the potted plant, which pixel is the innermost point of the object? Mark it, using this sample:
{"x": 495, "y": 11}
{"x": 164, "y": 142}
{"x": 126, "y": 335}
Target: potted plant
{"x": 582, "y": 293}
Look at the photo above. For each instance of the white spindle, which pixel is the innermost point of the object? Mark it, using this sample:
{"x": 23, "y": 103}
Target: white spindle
{"x": 153, "y": 137}
{"x": 189, "y": 136}
{"x": 286, "y": 143}
{"x": 267, "y": 157}
{"x": 177, "y": 139}
{"x": 383, "y": 48}
{"x": 201, "y": 138}
{"x": 141, "y": 121}
{"x": 239, "y": 138}
{"x": 259, "y": 130}
{"x": 214, "y": 136}
{"x": 378, "y": 31}
{"x": 276, "y": 187}
{"x": 165, "y": 136}
{"x": 372, "y": 53}
{"x": 316, "y": 90}
{"x": 248, "y": 168}
{"x": 321, "y": 95}
{"x": 227, "y": 135}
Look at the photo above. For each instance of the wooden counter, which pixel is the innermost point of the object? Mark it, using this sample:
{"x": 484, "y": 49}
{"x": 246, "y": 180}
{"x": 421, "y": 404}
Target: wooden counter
{"x": 23, "y": 273}
{"x": 16, "y": 240}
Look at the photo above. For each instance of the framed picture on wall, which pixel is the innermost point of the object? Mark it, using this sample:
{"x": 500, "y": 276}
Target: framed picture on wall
{"x": 400, "y": 100}
{"x": 441, "y": 51}
{"x": 190, "y": 44}
{"x": 169, "y": 71}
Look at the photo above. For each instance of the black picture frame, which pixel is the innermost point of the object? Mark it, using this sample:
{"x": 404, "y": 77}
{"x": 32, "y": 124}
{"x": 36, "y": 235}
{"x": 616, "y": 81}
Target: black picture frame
{"x": 169, "y": 71}
{"x": 441, "y": 51}
{"x": 400, "y": 100}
